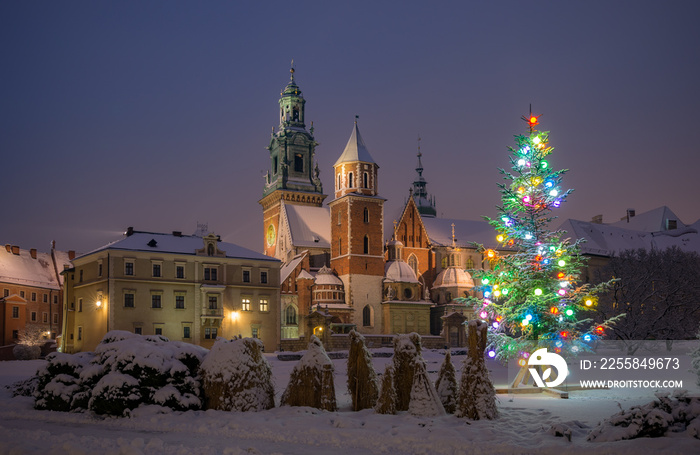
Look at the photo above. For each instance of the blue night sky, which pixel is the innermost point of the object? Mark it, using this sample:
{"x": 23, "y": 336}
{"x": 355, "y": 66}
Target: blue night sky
{"x": 157, "y": 114}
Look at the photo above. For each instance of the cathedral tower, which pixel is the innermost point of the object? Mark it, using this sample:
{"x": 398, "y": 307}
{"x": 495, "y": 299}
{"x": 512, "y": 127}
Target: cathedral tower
{"x": 293, "y": 176}
{"x": 357, "y": 233}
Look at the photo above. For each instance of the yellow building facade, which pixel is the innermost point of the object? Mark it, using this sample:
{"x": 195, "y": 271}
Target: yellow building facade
{"x": 186, "y": 288}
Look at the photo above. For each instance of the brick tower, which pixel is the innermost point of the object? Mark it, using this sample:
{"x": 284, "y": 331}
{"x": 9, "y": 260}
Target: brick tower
{"x": 357, "y": 237}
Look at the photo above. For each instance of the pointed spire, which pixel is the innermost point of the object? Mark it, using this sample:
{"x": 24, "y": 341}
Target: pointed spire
{"x": 355, "y": 150}
{"x": 426, "y": 206}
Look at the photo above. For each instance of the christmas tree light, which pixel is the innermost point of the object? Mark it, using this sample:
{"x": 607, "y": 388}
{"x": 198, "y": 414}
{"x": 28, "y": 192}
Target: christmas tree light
{"x": 541, "y": 269}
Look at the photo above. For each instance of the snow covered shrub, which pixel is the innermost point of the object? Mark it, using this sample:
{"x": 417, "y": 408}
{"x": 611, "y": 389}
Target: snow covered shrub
{"x": 237, "y": 377}
{"x": 477, "y": 396}
{"x": 425, "y": 401}
{"x": 311, "y": 381}
{"x": 655, "y": 419}
{"x": 26, "y": 352}
{"x": 130, "y": 370}
{"x": 58, "y": 381}
{"x": 386, "y": 404}
{"x": 446, "y": 384}
{"x": 362, "y": 379}
{"x": 407, "y": 350}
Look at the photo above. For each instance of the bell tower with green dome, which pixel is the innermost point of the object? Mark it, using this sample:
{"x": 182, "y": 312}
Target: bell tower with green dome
{"x": 293, "y": 176}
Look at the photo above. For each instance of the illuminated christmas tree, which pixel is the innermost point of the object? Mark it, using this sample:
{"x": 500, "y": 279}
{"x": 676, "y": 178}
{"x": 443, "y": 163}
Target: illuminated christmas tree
{"x": 532, "y": 294}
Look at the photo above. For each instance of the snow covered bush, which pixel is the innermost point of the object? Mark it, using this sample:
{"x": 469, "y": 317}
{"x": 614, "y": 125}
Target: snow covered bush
{"x": 695, "y": 360}
{"x": 26, "y": 352}
{"x": 386, "y": 404}
{"x": 311, "y": 382}
{"x": 58, "y": 381}
{"x": 477, "y": 396}
{"x": 362, "y": 379}
{"x": 126, "y": 370}
{"x": 237, "y": 377}
{"x": 446, "y": 384}
{"x": 655, "y": 419}
{"x": 425, "y": 401}
{"x": 407, "y": 350}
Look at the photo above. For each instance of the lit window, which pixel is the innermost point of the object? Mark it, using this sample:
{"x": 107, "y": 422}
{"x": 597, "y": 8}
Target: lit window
{"x": 264, "y": 305}
{"x": 255, "y": 332}
{"x": 245, "y": 304}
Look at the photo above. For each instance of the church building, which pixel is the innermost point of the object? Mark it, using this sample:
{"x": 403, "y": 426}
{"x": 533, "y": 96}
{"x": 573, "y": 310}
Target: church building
{"x": 337, "y": 257}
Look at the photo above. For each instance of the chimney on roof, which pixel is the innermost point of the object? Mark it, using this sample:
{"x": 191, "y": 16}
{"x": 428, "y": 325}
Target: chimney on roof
{"x": 630, "y": 214}
{"x": 598, "y": 219}
{"x": 32, "y": 253}
{"x": 177, "y": 233}
{"x": 129, "y": 231}
{"x": 15, "y": 249}
{"x": 8, "y": 247}
{"x": 71, "y": 255}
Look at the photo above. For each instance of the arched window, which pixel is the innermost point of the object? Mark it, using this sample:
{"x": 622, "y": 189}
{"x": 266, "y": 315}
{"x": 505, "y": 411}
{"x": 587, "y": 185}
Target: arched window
{"x": 413, "y": 263}
{"x": 290, "y": 315}
{"x": 366, "y": 215}
{"x": 338, "y": 187}
{"x": 366, "y": 245}
{"x": 340, "y": 246}
{"x": 367, "y": 316}
{"x": 470, "y": 263}
{"x": 443, "y": 263}
{"x": 298, "y": 162}
{"x": 350, "y": 182}
{"x": 365, "y": 181}
{"x": 210, "y": 250}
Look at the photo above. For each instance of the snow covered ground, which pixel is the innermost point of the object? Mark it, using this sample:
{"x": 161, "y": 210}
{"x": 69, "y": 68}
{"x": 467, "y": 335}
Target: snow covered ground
{"x": 524, "y": 425}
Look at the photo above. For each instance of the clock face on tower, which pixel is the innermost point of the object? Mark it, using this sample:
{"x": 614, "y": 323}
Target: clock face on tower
{"x": 270, "y": 235}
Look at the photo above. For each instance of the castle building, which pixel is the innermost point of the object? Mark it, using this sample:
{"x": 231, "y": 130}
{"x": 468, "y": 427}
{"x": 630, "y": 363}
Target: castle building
{"x": 185, "y": 287}
{"x": 31, "y": 289}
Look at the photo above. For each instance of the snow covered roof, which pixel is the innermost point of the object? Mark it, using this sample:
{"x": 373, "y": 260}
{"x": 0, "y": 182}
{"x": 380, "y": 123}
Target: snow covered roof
{"x": 399, "y": 272}
{"x": 453, "y": 277}
{"x": 327, "y": 277}
{"x": 24, "y": 270}
{"x": 466, "y": 231}
{"x": 652, "y": 221}
{"x": 355, "y": 150}
{"x": 606, "y": 239}
{"x": 177, "y": 244}
{"x": 309, "y": 226}
{"x": 290, "y": 266}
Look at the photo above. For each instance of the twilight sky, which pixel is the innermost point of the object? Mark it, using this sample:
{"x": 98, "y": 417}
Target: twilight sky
{"x": 157, "y": 114}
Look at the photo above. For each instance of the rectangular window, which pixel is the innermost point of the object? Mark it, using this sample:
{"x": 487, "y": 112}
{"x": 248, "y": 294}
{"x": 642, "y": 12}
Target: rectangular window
{"x": 263, "y": 277}
{"x": 80, "y": 333}
{"x": 180, "y": 302}
{"x": 6, "y": 292}
{"x": 255, "y": 332}
{"x": 55, "y": 299}
{"x": 213, "y": 302}
{"x": 128, "y": 300}
{"x": 99, "y": 269}
{"x": 180, "y": 271}
{"x": 264, "y": 305}
{"x": 298, "y": 162}
{"x": 32, "y": 316}
{"x": 128, "y": 268}
{"x": 55, "y": 318}
{"x": 80, "y": 305}
{"x": 245, "y": 304}
{"x": 210, "y": 273}
{"x": 33, "y": 296}
{"x": 15, "y": 334}
{"x": 21, "y": 294}
{"x": 186, "y": 332}
{"x": 72, "y": 305}
{"x": 45, "y": 318}
{"x": 46, "y": 298}
{"x": 138, "y": 330}
{"x": 246, "y": 276}
{"x": 210, "y": 333}
{"x": 156, "y": 270}
{"x": 159, "y": 330}
{"x": 156, "y": 301}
